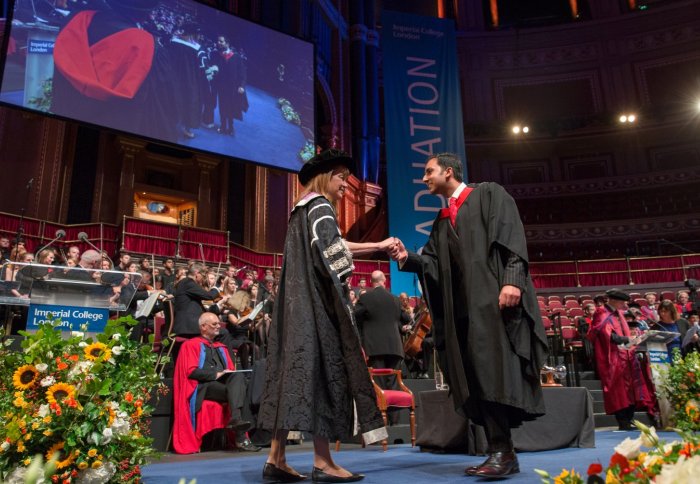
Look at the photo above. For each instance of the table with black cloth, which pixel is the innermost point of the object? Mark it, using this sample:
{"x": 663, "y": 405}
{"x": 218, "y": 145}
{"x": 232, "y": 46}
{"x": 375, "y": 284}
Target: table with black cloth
{"x": 567, "y": 423}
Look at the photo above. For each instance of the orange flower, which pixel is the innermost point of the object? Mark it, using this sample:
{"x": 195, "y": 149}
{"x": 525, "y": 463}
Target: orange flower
{"x": 128, "y": 397}
{"x": 74, "y": 357}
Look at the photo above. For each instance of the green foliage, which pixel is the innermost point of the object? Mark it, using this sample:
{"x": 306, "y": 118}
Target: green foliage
{"x": 680, "y": 385}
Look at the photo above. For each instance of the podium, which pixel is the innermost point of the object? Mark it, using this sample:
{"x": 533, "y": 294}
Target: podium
{"x": 654, "y": 343}
{"x": 79, "y": 297}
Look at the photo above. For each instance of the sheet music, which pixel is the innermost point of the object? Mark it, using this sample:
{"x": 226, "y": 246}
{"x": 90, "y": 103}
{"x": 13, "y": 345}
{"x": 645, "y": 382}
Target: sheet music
{"x": 145, "y": 309}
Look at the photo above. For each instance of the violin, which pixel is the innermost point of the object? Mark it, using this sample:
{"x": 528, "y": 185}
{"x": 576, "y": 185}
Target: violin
{"x": 412, "y": 346}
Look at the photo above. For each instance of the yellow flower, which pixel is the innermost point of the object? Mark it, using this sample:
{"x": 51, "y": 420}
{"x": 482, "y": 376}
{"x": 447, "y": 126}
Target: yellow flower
{"x": 112, "y": 415}
{"x": 25, "y": 377}
{"x": 47, "y": 419}
{"x": 97, "y": 351}
{"x": 59, "y": 392}
{"x": 20, "y": 446}
{"x": 28, "y": 436}
{"x": 56, "y": 449}
{"x": 27, "y": 461}
{"x": 92, "y": 452}
{"x": 97, "y": 464}
{"x": 48, "y": 432}
{"x": 83, "y": 465}
{"x": 35, "y": 425}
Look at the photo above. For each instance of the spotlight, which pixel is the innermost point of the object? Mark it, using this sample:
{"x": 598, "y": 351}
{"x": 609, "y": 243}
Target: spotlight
{"x": 698, "y": 106}
{"x": 526, "y": 129}
{"x": 623, "y": 119}
{"x": 631, "y": 118}
{"x": 516, "y": 129}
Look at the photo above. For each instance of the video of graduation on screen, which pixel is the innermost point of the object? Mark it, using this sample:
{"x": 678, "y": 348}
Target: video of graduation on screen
{"x": 176, "y": 71}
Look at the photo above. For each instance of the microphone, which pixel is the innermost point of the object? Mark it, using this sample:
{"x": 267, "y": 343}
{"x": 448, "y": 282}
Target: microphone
{"x": 58, "y": 235}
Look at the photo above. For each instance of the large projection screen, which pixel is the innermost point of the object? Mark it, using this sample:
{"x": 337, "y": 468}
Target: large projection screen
{"x": 175, "y": 71}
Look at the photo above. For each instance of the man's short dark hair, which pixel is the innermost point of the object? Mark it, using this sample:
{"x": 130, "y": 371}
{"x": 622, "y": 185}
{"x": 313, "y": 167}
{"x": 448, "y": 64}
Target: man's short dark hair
{"x": 450, "y": 160}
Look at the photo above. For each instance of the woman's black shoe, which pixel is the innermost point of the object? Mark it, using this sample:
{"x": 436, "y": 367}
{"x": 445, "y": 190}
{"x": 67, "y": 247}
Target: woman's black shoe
{"x": 272, "y": 473}
{"x": 319, "y": 476}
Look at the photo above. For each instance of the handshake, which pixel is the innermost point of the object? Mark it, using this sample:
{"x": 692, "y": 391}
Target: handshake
{"x": 394, "y": 248}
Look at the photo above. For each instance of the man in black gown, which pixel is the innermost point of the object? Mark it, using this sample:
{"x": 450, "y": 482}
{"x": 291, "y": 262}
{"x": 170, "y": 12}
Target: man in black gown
{"x": 486, "y": 322}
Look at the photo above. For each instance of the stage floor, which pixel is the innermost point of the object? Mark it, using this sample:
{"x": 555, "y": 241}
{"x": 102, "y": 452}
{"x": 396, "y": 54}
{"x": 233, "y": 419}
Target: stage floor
{"x": 401, "y": 463}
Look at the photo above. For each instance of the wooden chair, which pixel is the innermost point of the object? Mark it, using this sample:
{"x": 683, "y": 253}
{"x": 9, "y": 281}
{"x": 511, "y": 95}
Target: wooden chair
{"x": 386, "y": 399}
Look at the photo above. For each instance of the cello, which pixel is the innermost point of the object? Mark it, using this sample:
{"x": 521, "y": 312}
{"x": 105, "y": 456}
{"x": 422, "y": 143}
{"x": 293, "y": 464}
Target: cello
{"x": 421, "y": 328}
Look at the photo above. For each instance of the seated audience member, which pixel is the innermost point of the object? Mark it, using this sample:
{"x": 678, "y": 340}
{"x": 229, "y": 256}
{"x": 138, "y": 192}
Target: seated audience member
{"x": 4, "y": 248}
{"x": 73, "y": 252}
{"x": 627, "y": 383}
{"x": 168, "y": 273}
{"x": 669, "y": 320}
{"x": 651, "y": 315}
{"x": 599, "y": 300}
{"x": 124, "y": 261}
{"x": 683, "y": 304}
{"x": 204, "y": 371}
{"x": 691, "y": 342}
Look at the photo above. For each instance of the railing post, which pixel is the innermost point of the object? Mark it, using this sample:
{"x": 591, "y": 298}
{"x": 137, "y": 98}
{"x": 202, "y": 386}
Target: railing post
{"x": 123, "y": 247}
{"x": 629, "y": 271}
{"x": 578, "y": 280}
{"x": 685, "y": 274}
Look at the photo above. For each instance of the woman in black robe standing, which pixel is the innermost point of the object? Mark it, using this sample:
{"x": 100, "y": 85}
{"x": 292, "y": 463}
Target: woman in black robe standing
{"x": 316, "y": 368}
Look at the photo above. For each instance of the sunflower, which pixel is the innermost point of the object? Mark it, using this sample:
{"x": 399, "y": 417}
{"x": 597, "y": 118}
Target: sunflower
{"x": 60, "y": 391}
{"x": 97, "y": 351}
{"x": 25, "y": 377}
{"x": 55, "y": 449}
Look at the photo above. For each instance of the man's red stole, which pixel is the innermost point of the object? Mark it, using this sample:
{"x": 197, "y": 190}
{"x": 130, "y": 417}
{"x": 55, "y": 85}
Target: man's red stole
{"x": 451, "y": 211}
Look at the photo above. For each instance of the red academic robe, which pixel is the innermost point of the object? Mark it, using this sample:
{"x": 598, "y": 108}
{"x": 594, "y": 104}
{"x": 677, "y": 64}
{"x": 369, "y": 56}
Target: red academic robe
{"x": 626, "y": 381}
{"x": 188, "y": 429}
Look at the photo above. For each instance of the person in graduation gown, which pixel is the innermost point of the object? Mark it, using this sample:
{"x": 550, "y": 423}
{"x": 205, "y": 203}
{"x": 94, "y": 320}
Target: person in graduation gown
{"x": 627, "y": 383}
{"x": 487, "y": 327}
{"x": 204, "y": 371}
{"x": 111, "y": 72}
{"x": 229, "y": 83}
{"x": 315, "y": 365}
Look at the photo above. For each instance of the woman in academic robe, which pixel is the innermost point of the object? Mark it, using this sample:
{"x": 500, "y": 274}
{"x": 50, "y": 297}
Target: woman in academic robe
{"x": 315, "y": 365}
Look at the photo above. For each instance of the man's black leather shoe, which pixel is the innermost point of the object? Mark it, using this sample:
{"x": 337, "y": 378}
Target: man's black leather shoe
{"x": 238, "y": 425}
{"x": 319, "y": 476}
{"x": 498, "y": 464}
{"x": 247, "y": 446}
{"x": 272, "y": 473}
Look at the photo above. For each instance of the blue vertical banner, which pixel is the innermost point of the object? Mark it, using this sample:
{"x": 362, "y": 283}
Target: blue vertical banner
{"x": 423, "y": 116}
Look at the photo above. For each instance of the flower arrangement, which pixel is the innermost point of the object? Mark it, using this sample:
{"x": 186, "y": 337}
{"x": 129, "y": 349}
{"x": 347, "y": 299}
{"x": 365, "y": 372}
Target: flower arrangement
{"x": 288, "y": 111}
{"x": 677, "y": 462}
{"x": 680, "y": 385}
{"x": 308, "y": 151}
{"x": 79, "y": 401}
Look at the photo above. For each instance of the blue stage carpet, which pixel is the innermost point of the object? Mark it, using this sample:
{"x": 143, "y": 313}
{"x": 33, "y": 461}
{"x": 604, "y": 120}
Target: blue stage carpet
{"x": 400, "y": 464}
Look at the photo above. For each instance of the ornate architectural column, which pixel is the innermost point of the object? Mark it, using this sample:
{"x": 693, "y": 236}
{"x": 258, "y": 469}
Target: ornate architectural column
{"x": 130, "y": 148}
{"x": 206, "y": 207}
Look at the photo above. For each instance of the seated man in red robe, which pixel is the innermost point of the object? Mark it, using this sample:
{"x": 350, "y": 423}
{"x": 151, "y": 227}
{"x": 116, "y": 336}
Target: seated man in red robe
{"x": 627, "y": 384}
{"x": 204, "y": 372}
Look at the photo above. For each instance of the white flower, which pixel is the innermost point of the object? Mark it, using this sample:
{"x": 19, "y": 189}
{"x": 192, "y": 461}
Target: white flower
{"x": 629, "y": 448}
{"x": 685, "y": 471}
{"x": 5, "y": 445}
{"x": 82, "y": 367}
{"x": 49, "y": 354}
{"x": 116, "y": 336}
{"x": 121, "y": 426}
{"x": 77, "y": 334}
{"x": 107, "y": 435}
{"x": 117, "y": 350}
{"x": 650, "y": 439}
{"x": 82, "y": 344}
{"x": 41, "y": 367}
{"x": 43, "y": 410}
{"x": 47, "y": 381}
